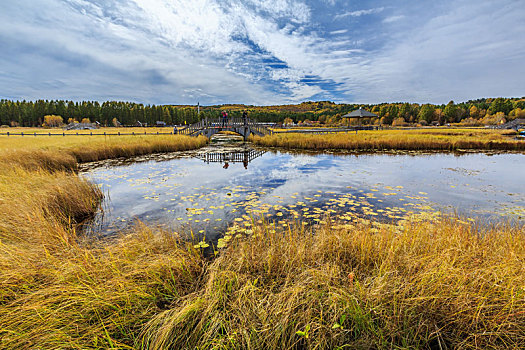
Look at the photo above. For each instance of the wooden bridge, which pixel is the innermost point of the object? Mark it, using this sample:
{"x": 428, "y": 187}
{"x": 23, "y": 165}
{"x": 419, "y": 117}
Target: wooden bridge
{"x": 209, "y": 127}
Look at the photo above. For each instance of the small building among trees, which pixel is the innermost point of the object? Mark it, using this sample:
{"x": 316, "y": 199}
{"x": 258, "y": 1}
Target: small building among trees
{"x": 359, "y": 114}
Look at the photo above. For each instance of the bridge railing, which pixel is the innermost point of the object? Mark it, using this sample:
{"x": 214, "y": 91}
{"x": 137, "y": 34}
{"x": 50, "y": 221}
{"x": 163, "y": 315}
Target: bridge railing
{"x": 261, "y": 129}
{"x": 190, "y": 129}
{"x": 225, "y": 123}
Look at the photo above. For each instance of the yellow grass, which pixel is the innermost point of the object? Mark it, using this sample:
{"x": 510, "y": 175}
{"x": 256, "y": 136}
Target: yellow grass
{"x": 419, "y": 139}
{"x": 51, "y": 279}
{"x": 431, "y": 283}
{"x": 92, "y": 148}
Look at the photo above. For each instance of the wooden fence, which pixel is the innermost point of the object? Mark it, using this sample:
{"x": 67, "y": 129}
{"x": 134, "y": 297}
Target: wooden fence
{"x": 84, "y": 134}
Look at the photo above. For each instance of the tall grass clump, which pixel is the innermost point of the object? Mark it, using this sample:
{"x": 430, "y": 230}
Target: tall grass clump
{"x": 137, "y": 146}
{"x": 431, "y": 285}
{"x": 19, "y": 150}
{"x": 409, "y": 140}
{"x": 37, "y": 160}
{"x": 80, "y": 296}
{"x": 60, "y": 289}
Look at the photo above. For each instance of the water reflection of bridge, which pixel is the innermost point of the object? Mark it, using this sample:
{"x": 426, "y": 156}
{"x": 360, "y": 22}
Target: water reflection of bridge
{"x": 244, "y": 156}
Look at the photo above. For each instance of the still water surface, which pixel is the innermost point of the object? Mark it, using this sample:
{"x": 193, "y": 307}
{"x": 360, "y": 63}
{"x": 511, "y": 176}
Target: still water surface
{"x": 212, "y": 188}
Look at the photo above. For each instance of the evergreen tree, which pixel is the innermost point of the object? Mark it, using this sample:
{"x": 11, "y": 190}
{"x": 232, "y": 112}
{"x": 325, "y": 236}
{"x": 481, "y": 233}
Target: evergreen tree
{"x": 450, "y": 112}
{"x": 426, "y": 113}
{"x": 500, "y": 105}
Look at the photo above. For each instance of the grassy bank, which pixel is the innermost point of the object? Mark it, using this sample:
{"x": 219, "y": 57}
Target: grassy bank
{"x": 431, "y": 283}
{"x": 410, "y": 140}
{"x": 46, "y": 268}
{"x": 70, "y": 150}
{"x": 428, "y": 285}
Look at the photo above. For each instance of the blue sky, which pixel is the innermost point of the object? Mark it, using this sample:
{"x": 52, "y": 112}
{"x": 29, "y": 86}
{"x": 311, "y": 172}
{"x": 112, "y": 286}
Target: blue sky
{"x": 261, "y": 52}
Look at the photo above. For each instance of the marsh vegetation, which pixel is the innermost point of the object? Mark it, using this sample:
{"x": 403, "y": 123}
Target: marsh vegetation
{"x": 423, "y": 280}
{"x": 405, "y": 139}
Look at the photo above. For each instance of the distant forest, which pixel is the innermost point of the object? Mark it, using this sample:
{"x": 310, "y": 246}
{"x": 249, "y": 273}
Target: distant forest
{"x": 484, "y": 111}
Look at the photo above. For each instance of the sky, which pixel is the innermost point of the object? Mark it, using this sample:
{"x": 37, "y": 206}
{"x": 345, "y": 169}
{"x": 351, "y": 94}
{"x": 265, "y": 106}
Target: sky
{"x": 262, "y": 52}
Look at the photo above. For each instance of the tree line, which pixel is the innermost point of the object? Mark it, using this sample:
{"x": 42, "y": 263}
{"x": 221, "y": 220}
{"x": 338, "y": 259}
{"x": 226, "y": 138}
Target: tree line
{"x": 29, "y": 113}
{"x": 473, "y": 112}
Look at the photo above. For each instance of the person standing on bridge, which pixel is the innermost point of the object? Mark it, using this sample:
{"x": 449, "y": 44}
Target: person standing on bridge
{"x": 224, "y": 118}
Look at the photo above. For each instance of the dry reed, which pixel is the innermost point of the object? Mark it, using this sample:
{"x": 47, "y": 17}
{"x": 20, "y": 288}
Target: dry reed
{"x": 433, "y": 284}
{"x": 408, "y": 140}
{"x": 19, "y": 150}
{"x": 62, "y": 290}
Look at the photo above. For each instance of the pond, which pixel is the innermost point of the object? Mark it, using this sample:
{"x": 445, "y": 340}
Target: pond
{"x": 230, "y": 182}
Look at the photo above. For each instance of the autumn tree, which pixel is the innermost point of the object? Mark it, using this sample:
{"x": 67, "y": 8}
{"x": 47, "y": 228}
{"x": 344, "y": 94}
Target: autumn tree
{"x": 517, "y": 113}
{"x": 399, "y": 122}
{"x": 53, "y": 121}
{"x": 288, "y": 121}
{"x": 474, "y": 112}
{"x": 32, "y": 113}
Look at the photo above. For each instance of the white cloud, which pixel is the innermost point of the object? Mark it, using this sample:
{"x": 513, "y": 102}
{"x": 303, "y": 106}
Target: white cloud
{"x": 179, "y": 51}
{"x": 296, "y": 11}
{"x": 360, "y": 13}
{"x": 392, "y": 19}
{"x": 302, "y": 92}
{"x": 187, "y": 43}
{"x": 467, "y": 52}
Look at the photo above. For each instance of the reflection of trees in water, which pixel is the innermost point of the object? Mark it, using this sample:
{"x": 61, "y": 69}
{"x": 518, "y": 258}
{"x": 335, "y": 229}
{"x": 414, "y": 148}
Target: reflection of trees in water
{"x": 244, "y": 156}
